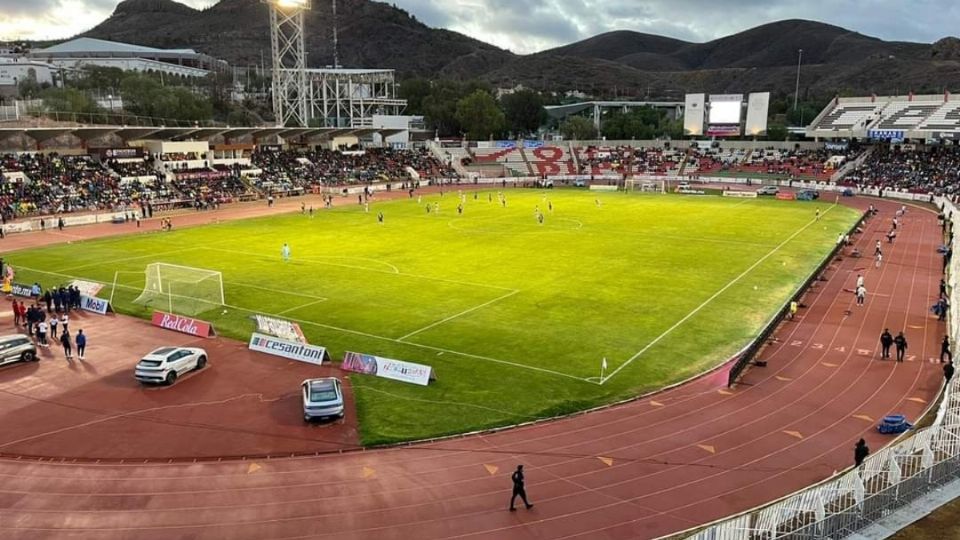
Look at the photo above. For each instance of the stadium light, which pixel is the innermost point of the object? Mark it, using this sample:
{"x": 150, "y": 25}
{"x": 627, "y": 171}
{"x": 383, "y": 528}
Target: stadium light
{"x": 287, "y": 4}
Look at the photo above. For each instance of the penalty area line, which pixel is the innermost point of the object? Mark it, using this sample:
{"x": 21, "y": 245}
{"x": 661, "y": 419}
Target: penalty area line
{"x": 706, "y": 302}
{"x": 454, "y": 316}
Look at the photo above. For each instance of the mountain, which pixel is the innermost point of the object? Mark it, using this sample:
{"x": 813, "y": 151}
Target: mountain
{"x": 621, "y": 63}
{"x": 371, "y": 34}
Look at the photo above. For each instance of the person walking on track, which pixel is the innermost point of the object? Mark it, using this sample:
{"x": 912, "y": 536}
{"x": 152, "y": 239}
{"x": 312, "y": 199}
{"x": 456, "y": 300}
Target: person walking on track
{"x": 67, "y": 346}
{"x": 901, "y": 342}
{"x": 860, "y": 452}
{"x": 81, "y": 343}
{"x": 945, "y": 350}
{"x": 886, "y": 340}
{"x": 948, "y": 371}
{"x": 519, "y": 489}
{"x": 861, "y": 295}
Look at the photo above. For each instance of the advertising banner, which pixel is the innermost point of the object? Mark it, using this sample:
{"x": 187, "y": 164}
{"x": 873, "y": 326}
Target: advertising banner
{"x": 786, "y": 196}
{"x": 280, "y": 328}
{"x": 19, "y": 289}
{"x": 387, "y": 368}
{"x": 293, "y": 350}
{"x": 741, "y": 194}
{"x": 94, "y": 304}
{"x": 128, "y": 152}
{"x": 184, "y": 325}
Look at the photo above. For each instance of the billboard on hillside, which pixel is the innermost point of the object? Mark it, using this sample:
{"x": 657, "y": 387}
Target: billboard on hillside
{"x": 758, "y": 108}
{"x": 693, "y": 114}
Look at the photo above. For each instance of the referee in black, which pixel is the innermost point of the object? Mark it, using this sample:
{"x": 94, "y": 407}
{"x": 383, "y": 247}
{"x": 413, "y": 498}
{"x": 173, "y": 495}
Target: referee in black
{"x": 518, "y": 489}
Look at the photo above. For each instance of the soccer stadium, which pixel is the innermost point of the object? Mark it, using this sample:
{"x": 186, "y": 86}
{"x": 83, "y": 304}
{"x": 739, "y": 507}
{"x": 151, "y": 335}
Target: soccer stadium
{"x": 301, "y": 306}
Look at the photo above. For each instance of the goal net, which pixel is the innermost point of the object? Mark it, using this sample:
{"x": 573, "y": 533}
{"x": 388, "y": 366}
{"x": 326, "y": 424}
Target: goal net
{"x": 181, "y": 289}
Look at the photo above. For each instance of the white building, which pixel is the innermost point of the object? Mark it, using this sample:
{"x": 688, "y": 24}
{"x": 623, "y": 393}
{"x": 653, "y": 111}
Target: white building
{"x": 81, "y": 52}
{"x": 15, "y": 70}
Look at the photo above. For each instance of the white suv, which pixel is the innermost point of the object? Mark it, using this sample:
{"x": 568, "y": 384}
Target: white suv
{"x": 165, "y": 364}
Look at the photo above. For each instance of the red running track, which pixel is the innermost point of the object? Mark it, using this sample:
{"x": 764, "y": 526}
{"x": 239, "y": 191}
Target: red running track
{"x": 676, "y": 460}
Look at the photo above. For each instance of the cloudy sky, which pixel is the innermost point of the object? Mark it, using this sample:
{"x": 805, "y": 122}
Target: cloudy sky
{"x": 529, "y": 26}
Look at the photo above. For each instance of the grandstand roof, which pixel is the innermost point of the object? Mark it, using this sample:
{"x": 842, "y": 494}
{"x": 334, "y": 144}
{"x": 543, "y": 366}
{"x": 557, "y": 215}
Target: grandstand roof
{"x": 40, "y": 134}
{"x": 928, "y": 117}
{"x": 93, "y": 45}
{"x": 559, "y": 111}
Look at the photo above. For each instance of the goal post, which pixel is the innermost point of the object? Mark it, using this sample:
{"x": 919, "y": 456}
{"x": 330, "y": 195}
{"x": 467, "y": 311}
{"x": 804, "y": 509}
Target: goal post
{"x": 181, "y": 289}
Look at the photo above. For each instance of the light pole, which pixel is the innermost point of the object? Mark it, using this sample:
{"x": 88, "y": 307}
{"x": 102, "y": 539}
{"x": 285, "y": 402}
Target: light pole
{"x": 287, "y": 44}
{"x": 796, "y": 94}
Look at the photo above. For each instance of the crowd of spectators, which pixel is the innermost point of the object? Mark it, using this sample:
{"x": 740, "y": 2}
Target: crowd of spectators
{"x": 626, "y": 160}
{"x": 905, "y": 168}
{"x": 289, "y": 170}
{"x": 816, "y": 164}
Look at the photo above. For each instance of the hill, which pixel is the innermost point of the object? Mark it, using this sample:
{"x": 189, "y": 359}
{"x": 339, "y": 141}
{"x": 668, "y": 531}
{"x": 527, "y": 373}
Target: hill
{"x": 621, "y": 63}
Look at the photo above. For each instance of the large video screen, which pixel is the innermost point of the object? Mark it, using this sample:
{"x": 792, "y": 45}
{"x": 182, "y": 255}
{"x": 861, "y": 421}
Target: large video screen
{"x": 725, "y": 112}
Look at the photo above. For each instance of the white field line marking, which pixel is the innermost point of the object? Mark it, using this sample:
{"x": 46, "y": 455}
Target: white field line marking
{"x": 72, "y": 268}
{"x": 713, "y": 297}
{"x": 454, "y": 316}
{"x": 354, "y": 332}
{"x": 391, "y": 273}
{"x": 295, "y": 308}
{"x": 313, "y": 258}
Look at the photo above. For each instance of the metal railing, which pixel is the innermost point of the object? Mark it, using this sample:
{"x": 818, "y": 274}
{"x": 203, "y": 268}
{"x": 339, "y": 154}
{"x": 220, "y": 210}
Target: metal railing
{"x": 888, "y": 480}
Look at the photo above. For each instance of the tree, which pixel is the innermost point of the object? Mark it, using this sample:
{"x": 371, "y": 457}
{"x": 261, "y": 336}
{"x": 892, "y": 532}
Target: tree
{"x": 68, "y": 100}
{"x": 776, "y": 132}
{"x": 415, "y": 91}
{"x": 524, "y": 111}
{"x": 480, "y": 116}
{"x": 578, "y": 128}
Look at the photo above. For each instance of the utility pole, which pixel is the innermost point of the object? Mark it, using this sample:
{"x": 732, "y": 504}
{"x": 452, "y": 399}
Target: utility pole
{"x": 796, "y": 94}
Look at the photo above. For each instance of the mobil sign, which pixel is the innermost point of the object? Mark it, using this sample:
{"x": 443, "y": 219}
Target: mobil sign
{"x": 94, "y": 304}
{"x": 184, "y": 325}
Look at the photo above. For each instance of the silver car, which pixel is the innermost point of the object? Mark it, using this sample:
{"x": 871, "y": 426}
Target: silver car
{"x": 165, "y": 364}
{"x": 322, "y": 398}
{"x": 17, "y": 348}
{"x": 768, "y": 190}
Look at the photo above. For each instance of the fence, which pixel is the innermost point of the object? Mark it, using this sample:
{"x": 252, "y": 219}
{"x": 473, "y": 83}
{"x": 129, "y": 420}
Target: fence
{"x": 887, "y": 481}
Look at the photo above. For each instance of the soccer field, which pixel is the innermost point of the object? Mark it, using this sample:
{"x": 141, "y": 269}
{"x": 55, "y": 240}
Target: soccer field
{"x": 514, "y": 316}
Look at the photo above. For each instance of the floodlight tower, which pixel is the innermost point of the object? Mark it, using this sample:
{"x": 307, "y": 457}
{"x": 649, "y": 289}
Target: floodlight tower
{"x": 290, "y": 87}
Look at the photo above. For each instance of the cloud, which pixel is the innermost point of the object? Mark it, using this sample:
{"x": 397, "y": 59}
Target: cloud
{"x": 526, "y": 27}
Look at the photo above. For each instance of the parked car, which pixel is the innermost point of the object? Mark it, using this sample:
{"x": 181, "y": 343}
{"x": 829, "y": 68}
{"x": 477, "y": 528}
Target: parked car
{"x": 322, "y": 398}
{"x": 768, "y": 190}
{"x": 17, "y": 348}
{"x": 165, "y": 364}
{"x": 808, "y": 195}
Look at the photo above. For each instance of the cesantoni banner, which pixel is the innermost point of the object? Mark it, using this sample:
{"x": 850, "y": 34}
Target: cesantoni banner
{"x": 388, "y": 368}
{"x": 293, "y": 350}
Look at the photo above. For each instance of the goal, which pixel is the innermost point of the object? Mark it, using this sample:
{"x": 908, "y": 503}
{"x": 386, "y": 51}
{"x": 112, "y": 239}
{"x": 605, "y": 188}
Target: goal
{"x": 181, "y": 289}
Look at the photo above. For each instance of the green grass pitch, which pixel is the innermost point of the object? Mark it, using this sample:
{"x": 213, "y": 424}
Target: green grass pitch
{"x": 514, "y": 316}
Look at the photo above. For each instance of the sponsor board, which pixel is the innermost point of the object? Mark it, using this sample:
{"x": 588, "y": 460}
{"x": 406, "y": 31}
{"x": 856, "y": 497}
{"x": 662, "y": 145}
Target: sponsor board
{"x": 293, "y": 350}
{"x": 594, "y": 187}
{"x": 741, "y": 194}
{"x": 94, "y": 304}
{"x": 786, "y": 196}
{"x": 280, "y": 328}
{"x": 19, "y": 289}
{"x": 184, "y": 325}
{"x": 88, "y": 288}
{"x": 388, "y": 368}
{"x": 690, "y": 191}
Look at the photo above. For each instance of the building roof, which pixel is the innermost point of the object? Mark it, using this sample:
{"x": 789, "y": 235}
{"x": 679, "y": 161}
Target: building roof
{"x": 93, "y": 45}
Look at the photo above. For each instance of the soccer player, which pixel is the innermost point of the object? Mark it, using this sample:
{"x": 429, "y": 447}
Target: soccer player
{"x": 818, "y": 214}
{"x": 285, "y": 253}
{"x": 380, "y": 217}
